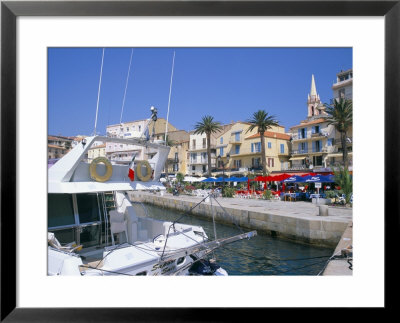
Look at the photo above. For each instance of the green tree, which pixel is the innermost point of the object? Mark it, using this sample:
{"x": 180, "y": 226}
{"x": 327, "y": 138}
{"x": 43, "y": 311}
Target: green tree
{"x": 169, "y": 143}
{"x": 208, "y": 126}
{"x": 180, "y": 177}
{"x": 262, "y": 121}
{"x": 340, "y": 115}
{"x": 345, "y": 181}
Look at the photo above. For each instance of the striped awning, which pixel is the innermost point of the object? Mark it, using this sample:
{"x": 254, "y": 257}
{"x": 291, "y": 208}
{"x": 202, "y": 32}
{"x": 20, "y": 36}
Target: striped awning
{"x": 297, "y": 158}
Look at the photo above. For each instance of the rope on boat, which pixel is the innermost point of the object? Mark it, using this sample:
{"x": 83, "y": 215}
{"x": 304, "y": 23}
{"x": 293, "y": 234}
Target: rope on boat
{"x": 233, "y": 221}
{"x": 173, "y": 223}
{"x": 104, "y": 270}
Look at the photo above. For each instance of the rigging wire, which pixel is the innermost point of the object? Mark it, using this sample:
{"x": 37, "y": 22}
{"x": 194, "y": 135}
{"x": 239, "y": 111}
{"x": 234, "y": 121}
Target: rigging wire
{"x": 173, "y": 223}
{"x": 126, "y": 86}
{"x": 233, "y": 220}
{"x": 169, "y": 97}
{"x": 98, "y": 92}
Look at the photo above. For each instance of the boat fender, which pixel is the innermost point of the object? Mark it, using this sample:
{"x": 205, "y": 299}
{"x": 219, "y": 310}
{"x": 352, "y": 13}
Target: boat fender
{"x": 139, "y": 170}
{"x": 93, "y": 171}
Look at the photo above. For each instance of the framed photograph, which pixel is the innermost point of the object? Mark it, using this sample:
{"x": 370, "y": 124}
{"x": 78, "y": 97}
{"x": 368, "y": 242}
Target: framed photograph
{"x": 31, "y": 29}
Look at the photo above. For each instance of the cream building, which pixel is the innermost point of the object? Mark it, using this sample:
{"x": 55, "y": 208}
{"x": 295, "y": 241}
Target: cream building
{"x": 244, "y": 149}
{"x": 316, "y": 144}
{"x": 97, "y": 151}
{"x": 197, "y": 154}
{"x": 343, "y": 88}
{"x": 123, "y": 153}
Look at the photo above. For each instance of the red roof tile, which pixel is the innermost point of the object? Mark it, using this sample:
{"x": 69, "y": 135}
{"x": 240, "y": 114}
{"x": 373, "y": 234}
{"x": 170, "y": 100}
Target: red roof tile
{"x": 309, "y": 123}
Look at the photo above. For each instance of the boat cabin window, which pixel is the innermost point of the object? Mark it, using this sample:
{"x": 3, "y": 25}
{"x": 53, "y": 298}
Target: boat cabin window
{"x": 75, "y": 217}
{"x": 60, "y": 210}
{"x": 65, "y": 235}
{"x": 88, "y": 208}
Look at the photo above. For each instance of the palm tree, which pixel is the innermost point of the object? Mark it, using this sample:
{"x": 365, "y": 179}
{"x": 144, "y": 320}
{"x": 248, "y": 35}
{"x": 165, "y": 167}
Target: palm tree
{"x": 180, "y": 177}
{"x": 208, "y": 126}
{"x": 345, "y": 181}
{"x": 169, "y": 143}
{"x": 340, "y": 115}
{"x": 262, "y": 121}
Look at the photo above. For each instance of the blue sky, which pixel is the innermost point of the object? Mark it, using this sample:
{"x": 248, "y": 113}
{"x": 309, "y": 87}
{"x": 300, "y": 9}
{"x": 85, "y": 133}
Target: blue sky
{"x": 229, "y": 84}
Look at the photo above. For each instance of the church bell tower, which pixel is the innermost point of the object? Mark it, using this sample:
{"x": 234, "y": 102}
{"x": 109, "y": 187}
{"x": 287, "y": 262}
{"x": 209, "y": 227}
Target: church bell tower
{"x": 314, "y": 102}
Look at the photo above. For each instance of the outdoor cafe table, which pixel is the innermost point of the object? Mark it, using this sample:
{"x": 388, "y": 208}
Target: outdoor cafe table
{"x": 290, "y": 196}
{"x": 317, "y": 196}
{"x": 294, "y": 196}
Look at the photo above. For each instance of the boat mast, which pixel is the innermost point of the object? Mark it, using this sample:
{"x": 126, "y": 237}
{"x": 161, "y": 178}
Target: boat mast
{"x": 169, "y": 97}
{"x": 98, "y": 92}
{"x": 126, "y": 86}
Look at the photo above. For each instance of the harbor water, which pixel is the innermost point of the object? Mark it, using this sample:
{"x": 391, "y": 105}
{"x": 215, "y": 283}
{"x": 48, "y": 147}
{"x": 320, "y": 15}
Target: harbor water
{"x": 261, "y": 255}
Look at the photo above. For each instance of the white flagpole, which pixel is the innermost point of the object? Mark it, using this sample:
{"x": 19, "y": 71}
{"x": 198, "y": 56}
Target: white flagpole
{"x": 169, "y": 98}
{"x": 98, "y": 93}
{"x": 126, "y": 86}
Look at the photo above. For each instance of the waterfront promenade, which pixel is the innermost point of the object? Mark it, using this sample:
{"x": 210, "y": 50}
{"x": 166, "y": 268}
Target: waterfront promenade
{"x": 298, "y": 221}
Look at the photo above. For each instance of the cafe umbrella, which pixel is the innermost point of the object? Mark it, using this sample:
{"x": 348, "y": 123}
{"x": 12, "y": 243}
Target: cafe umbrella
{"x": 294, "y": 179}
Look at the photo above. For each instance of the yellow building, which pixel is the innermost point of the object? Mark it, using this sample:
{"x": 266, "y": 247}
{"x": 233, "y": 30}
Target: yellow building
{"x": 97, "y": 151}
{"x": 177, "y": 157}
{"x": 244, "y": 149}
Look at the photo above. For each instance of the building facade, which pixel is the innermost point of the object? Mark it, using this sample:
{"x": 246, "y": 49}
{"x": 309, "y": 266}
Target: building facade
{"x": 197, "y": 155}
{"x": 58, "y": 146}
{"x": 315, "y": 143}
{"x": 95, "y": 151}
{"x": 177, "y": 157}
{"x": 244, "y": 149}
{"x": 343, "y": 88}
{"x": 123, "y": 153}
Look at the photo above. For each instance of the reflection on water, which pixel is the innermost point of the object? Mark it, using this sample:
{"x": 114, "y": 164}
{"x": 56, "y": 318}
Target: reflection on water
{"x": 261, "y": 255}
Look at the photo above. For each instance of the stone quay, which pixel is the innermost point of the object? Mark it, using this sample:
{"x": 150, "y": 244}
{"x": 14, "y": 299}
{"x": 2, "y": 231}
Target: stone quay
{"x": 298, "y": 221}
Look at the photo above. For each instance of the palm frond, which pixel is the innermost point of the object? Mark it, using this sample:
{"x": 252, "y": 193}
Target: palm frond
{"x": 340, "y": 114}
{"x": 262, "y": 121}
{"x": 207, "y": 125}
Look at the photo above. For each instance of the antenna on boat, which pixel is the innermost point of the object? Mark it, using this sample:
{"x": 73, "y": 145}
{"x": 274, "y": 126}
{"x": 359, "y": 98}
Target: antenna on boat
{"x": 126, "y": 86}
{"x": 98, "y": 92}
{"x": 169, "y": 97}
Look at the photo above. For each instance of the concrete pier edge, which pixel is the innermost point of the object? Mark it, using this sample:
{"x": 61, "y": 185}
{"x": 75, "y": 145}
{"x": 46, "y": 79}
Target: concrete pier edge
{"x": 324, "y": 231}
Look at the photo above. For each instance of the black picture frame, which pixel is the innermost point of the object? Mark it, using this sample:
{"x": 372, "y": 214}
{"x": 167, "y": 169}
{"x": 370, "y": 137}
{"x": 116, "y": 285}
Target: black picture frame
{"x": 10, "y": 10}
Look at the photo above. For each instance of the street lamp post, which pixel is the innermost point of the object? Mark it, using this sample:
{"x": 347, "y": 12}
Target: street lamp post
{"x": 223, "y": 170}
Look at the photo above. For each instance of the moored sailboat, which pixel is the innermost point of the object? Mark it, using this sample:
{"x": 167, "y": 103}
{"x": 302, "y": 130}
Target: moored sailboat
{"x": 94, "y": 228}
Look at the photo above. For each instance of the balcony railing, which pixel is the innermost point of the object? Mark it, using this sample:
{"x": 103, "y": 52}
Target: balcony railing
{"x": 307, "y": 151}
{"x": 330, "y": 149}
{"x": 235, "y": 140}
{"x": 297, "y": 137}
{"x": 299, "y": 152}
{"x": 198, "y": 161}
{"x": 201, "y": 147}
{"x": 318, "y": 134}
